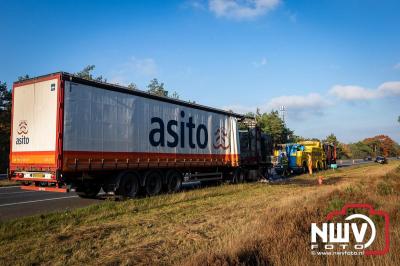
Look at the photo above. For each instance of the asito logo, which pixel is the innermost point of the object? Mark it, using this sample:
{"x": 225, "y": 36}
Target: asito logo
{"x": 356, "y": 235}
{"x": 221, "y": 139}
{"x": 177, "y": 131}
{"x": 180, "y": 133}
{"x": 22, "y": 131}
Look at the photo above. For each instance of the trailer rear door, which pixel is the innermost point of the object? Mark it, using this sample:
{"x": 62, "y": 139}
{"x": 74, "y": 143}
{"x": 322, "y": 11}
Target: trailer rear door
{"x": 34, "y": 124}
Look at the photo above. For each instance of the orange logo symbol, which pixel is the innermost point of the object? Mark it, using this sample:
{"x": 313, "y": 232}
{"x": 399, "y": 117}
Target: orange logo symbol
{"x": 222, "y": 140}
{"x": 23, "y": 127}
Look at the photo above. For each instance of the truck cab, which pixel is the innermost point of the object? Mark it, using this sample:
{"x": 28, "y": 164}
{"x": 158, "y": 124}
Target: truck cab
{"x": 295, "y": 155}
{"x": 318, "y": 156}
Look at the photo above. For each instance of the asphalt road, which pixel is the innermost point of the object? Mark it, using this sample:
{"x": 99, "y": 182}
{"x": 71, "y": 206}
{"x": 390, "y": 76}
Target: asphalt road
{"x": 15, "y": 202}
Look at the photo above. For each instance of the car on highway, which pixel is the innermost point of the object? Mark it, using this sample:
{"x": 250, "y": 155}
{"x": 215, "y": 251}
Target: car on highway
{"x": 381, "y": 160}
{"x": 368, "y": 158}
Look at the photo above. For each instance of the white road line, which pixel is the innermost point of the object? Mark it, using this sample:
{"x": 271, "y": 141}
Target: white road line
{"x": 18, "y": 192}
{"x": 8, "y": 187}
{"x": 33, "y": 201}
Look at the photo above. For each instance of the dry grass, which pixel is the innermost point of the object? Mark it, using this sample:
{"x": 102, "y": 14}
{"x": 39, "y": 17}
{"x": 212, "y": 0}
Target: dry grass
{"x": 230, "y": 224}
{"x": 284, "y": 238}
{"x": 7, "y": 183}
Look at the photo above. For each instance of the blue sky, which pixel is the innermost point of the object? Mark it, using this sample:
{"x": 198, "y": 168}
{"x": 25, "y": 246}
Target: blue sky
{"x": 335, "y": 65}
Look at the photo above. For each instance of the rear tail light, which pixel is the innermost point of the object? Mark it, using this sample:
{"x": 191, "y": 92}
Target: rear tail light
{"x": 20, "y": 175}
{"x": 53, "y": 176}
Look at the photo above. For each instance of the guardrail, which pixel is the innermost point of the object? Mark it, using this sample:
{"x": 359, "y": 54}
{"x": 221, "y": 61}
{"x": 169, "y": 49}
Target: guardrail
{"x": 349, "y": 162}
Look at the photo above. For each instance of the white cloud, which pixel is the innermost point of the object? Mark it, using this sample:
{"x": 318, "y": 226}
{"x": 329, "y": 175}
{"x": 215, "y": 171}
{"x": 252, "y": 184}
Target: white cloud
{"x": 352, "y": 92}
{"x": 390, "y": 88}
{"x": 134, "y": 68}
{"x": 241, "y": 9}
{"x": 260, "y": 63}
{"x": 297, "y": 106}
{"x": 310, "y": 102}
{"x": 397, "y": 66}
{"x": 301, "y": 107}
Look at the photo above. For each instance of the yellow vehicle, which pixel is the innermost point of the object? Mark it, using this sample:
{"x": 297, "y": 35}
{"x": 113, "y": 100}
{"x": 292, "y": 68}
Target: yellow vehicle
{"x": 294, "y": 157}
{"x": 297, "y": 156}
{"x": 317, "y": 154}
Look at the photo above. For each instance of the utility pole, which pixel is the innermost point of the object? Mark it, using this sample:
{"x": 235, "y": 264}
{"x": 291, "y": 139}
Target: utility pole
{"x": 282, "y": 110}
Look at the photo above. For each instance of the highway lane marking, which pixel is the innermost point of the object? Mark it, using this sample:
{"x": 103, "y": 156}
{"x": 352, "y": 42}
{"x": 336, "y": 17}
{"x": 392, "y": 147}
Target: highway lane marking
{"x": 33, "y": 201}
{"x": 18, "y": 192}
{"x": 8, "y": 187}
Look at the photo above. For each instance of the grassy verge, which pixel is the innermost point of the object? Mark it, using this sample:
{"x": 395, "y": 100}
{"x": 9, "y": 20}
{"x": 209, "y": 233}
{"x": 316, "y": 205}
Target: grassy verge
{"x": 284, "y": 238}
{"x": 7, "y": 183}
{"x": 229, "y": 224}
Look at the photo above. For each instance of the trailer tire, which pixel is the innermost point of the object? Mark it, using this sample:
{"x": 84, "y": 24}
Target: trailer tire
{"x": 128, "y": 185}
{"x": 173, "y": 181}
{"x": 153, "y": 183}
{"x": 88, "y": 190}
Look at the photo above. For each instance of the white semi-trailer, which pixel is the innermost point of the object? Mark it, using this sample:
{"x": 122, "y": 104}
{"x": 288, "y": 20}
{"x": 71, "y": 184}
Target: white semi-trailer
{"x": 72, "y": 133}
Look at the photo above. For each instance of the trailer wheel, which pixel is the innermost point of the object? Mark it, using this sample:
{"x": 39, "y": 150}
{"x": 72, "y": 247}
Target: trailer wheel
{"x": 153, "y": 183}
{"x": 174, "y": 181}
{"x": 128, "y": 185}
{"x": 88, "y": 190}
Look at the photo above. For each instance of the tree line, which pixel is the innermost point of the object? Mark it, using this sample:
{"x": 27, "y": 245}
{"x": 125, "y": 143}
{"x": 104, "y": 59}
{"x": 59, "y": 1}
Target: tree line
{"x": 154, "y": 87}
